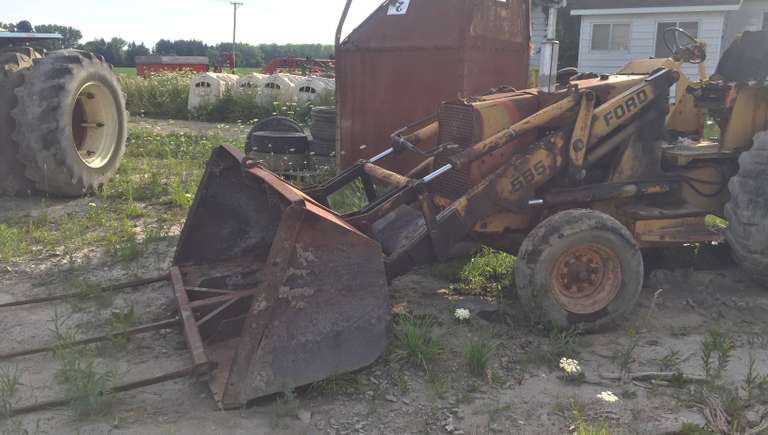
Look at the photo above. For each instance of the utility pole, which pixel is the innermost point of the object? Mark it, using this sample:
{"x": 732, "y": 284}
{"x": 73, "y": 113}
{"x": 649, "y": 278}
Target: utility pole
{"x": 234, "y": 33}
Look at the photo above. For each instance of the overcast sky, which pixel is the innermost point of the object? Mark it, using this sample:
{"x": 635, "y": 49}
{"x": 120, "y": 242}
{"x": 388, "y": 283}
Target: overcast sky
{"x": 258, "y": 21}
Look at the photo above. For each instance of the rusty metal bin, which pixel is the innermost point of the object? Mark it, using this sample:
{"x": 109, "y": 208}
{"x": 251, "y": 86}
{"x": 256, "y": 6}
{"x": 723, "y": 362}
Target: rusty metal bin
{"x": 394, "y": 69}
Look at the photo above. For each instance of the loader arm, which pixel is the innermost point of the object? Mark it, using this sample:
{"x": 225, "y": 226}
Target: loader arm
{"x": 413, "y": 230}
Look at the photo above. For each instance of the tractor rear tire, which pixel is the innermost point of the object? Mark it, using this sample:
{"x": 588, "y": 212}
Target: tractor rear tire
{"x": 579, "y": 268}
{"x": 71, "y": 123}
{"x": 747, "y": 211}
{"x": 12, "y": 179}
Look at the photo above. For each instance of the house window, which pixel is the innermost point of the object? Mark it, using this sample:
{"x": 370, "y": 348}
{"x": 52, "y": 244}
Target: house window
{"x": 691, "y": 27}
{"x": 610, "y": 37}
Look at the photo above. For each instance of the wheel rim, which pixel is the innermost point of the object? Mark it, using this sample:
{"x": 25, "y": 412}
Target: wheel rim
{"x": 95, "y": 126}
{"x": 586, "y": 278}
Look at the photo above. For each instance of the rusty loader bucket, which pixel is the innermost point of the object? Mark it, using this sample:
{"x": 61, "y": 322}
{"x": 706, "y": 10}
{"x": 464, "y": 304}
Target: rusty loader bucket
{"x": 274, "y": 290}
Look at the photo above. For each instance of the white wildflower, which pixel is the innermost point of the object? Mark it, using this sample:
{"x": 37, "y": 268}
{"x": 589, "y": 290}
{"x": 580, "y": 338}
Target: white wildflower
{"x": 91, "y": 204}
{"x": 607, "y": 396}
{"x": 570, "y": 366}
{"x": 461, "y": 314}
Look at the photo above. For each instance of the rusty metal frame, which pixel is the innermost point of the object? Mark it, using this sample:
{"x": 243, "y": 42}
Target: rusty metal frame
{"x": 110, "y": 288}
{"x": 194, "y": 370}
{"x": 581, "y": 135}
{"x": 201, "y": 364}
{"x": 189, "y": 323}
{"x": 155, "y": 326}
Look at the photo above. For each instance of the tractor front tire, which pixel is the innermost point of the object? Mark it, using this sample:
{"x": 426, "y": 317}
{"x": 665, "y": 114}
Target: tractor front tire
{"x": 747, "y": 211}
{"x": 71, "y": 123}
{"x": 579, "y": 268}
{"x": 12, "y": 63}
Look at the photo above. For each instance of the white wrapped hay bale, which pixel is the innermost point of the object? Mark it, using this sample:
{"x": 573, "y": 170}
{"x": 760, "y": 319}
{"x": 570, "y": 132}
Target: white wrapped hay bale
{"x": 311, "y": 88}
{"x": 207, "y": 88}
{"x": 251, "y": 83}
{"x": 279, "y": 87}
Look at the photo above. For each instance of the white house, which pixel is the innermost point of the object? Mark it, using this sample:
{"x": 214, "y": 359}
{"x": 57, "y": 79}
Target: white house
{"x": 538, "y": 33}
{"x": 616, "y": 31}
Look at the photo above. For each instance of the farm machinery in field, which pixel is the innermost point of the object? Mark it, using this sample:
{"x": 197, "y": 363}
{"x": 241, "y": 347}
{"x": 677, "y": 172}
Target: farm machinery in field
{"x": 63, "y": 124}
{"x": 275, "y": 289}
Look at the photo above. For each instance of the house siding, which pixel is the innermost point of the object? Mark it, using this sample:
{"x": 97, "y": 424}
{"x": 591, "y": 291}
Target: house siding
{"x": 642, "y": 40}
{"x": 749, "y": 17}
{"x": 538, "y": 33}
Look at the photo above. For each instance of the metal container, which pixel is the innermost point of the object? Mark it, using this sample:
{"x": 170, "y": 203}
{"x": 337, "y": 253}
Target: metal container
{"x": 397, "y": 66}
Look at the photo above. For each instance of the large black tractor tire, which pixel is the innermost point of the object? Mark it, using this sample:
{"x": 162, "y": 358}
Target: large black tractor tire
{"x": 579, "y": 268}
{"x": 747, "y": 211}
{"x": 12, "y": 62}
{"x": 71, "y": 123}
{"x": 323, "y": 126}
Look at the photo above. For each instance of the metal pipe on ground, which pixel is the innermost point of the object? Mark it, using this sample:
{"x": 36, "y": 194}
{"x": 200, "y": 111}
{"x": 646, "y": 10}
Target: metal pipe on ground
{"x": 164, "y": 324}
{"x": 141, "y": 383}
{"x": 109, "y": 288}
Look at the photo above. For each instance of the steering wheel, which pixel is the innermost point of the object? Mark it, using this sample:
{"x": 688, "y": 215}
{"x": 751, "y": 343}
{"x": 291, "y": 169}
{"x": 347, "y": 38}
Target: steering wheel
{"x": 691, "y": 50}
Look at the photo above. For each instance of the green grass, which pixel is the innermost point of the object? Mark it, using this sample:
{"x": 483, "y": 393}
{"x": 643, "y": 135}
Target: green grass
{"x": 349, "y": 199}
{"x": 561, "y": 343}
{"x": 415, "y": 341}
{"x": 85, "y": 380}
{"x": 580, "y": 426}
{"x": 478, "y": 356}
{"x": 715, "y": 223}
{"x": 162, "y": 95}
{"x": 711, "y": 130}
{"x": 487, "y": 273}
{"x": 9, "y": 382}
{"x": 625, "y": 355}
{"x": 12, "y": 243}
{"x": 716, "y": 353}
{"x": 159, "y": 172}
{"x": 125, "y": 71}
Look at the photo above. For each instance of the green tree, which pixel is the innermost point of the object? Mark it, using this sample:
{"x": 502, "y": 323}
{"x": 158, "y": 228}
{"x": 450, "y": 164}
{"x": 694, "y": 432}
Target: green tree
{"x": 315, "y": 51}
{"x": 191, "y": 47}
{"x": 248, "y": 55}
{"x": 97, "y": 46}
{"x": 163, "y": 47}
{"x": 70, "y": 36}
{"x": 115, "y": 54}
{"x": 132, "y": 50}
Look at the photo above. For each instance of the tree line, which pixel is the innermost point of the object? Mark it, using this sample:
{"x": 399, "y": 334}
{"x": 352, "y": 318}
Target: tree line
{"x": 120, "y": 52}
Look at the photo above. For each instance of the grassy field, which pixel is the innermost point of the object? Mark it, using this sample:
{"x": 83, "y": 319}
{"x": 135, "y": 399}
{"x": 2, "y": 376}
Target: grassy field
{"x": 125, "y": 71}
{"x": 129, "y": 71}
{"x": 149, "y": 195}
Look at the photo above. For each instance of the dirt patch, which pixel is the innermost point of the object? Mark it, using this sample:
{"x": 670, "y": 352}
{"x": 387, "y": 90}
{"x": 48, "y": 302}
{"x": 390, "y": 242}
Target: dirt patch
{"x": 225, "y": 130}
{"x": 522, "y": 391}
